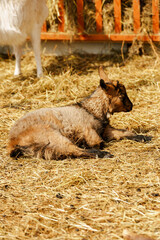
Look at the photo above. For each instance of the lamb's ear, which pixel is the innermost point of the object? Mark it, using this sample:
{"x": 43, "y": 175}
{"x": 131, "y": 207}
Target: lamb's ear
{"x": 102, "y": 84}
{"x": 108, "y": 87}
{"x": 103, "y": 75}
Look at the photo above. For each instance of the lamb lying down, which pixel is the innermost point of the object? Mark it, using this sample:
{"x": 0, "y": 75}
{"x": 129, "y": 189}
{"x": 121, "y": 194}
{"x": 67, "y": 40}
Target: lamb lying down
{"x": 78, "y": 130}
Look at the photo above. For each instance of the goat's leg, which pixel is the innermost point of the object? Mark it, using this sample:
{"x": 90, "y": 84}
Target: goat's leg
{"x": 18, "y": 54}
{"x": 111, "y": 133}
{"x": 36, "y": 43}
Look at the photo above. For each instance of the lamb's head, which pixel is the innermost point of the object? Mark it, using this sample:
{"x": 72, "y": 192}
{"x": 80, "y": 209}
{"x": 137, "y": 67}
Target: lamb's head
{"x": 116, "y": 93}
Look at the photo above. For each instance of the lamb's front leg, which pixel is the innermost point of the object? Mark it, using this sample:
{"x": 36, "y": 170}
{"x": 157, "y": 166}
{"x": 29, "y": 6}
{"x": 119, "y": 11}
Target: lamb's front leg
{"x": 94, "y": 141}
{"x": 111, "y": 133}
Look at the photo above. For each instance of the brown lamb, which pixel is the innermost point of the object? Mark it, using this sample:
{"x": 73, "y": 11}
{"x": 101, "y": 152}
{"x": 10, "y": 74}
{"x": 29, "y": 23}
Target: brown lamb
{"x": 78, "y": 130}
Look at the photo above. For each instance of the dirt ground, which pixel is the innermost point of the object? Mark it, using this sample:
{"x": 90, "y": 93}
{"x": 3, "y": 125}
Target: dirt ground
{"x": 82, "y": 199}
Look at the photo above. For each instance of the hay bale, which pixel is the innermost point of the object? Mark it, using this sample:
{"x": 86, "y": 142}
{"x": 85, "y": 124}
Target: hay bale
{"x": 52, "y": 21}
{"x": 108, "y": 16}
{"x": 146, "y": 17}
{"x": 70, "y": 16}
{"x": 89, "y": 17}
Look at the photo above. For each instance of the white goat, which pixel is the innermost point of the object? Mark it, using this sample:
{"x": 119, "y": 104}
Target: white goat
{"x": 20, "y": 19}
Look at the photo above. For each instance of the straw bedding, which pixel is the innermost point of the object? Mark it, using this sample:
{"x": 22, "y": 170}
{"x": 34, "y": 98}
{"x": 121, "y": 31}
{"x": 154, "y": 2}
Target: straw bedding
{"x": 81, "y": 199}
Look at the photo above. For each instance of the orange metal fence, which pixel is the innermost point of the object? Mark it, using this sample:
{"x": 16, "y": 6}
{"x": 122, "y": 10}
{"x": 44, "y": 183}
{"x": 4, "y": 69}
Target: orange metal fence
{"x": 99, "y": 36}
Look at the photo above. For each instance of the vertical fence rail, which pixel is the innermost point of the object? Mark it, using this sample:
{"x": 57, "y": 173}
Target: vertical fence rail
{"x": 80, "y": 18}
{"x": 44, "y": 27}
{"x": 117, "y": 16}
{"x": 99, "y": 20}
{"x": 61, "y": 16}
{"x": 155, "y": 16}
{"x": 136, "y": 16}
{"x": 118, "y": 36}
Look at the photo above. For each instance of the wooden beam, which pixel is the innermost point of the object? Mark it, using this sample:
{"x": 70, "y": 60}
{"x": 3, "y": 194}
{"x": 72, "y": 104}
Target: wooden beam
{"x": 61, "y": 16}
{"x": 136, "y": 16}
{"x": 80, "y": 18}
{"x": 99, "y": 37}
{"x": 99, "y": 21}
{"x": 117, "y": 16}
{"x": 155, "y": 16}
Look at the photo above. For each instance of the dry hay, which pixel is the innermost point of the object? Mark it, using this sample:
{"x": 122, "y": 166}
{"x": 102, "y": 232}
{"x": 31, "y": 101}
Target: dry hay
{"x": 81, "y": 199}
{"x": 89, "y": 16}
{"x": 70, "y": 16}
{"x": 108, "y": 17}
{"x": 127, "y": 16}
{"x": 53, "y": 15}
{"x": 70, "y": 7}
{"x": 146, "y": 17}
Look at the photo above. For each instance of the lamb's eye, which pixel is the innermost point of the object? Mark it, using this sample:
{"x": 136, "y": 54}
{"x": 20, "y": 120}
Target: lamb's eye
{"x": 121, "y": 97}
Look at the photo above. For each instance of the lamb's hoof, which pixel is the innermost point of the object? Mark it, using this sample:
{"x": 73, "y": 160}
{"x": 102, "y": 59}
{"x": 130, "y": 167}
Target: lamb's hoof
{"x": 108, "y": 155}
{"x": 100, "y": 154}
{"x": 141, "y": 138}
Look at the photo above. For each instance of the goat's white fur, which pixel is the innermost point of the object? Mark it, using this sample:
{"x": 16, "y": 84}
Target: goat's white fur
{"x": 18, "y": 20}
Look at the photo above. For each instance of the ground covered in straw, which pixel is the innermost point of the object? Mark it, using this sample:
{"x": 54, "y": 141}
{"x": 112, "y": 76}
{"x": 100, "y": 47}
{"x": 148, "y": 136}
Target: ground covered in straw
{"x": 81, "y": 199}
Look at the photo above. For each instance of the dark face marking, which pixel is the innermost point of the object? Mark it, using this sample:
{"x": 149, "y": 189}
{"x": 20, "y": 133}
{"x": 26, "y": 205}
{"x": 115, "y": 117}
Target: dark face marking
{"x": 125, "y": 105}
{"x": 119, "y": 100}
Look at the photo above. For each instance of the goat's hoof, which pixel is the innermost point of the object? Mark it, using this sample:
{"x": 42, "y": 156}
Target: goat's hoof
{"x": 17, "y": 74}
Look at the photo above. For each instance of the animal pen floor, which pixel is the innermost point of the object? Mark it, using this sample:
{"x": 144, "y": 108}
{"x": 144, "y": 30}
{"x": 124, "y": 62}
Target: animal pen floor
{"x": 82, "y": 198}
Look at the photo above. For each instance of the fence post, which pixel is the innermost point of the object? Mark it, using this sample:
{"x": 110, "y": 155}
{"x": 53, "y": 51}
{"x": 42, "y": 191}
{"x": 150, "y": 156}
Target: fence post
{"x": 155, "y": 16}
{"x": 117, "y": 16}
{"x": 44, "y": 27}
{"x": 80, "y": 18}
{"x": 117, "y": 36}
{"x": 61, "y": 16}
{"x": 136, "y": 15}
{"x": 99, "y": 21}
